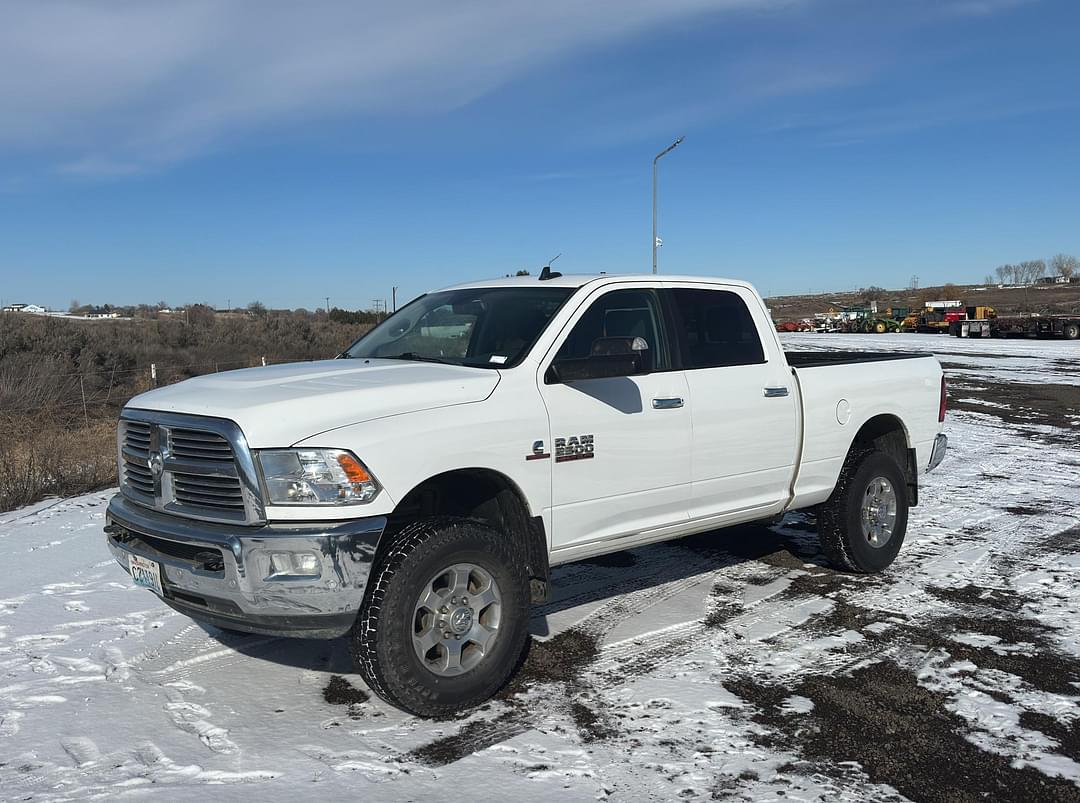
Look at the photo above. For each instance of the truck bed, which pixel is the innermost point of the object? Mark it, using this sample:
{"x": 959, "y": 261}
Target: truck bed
{"x": 818, "y": 359}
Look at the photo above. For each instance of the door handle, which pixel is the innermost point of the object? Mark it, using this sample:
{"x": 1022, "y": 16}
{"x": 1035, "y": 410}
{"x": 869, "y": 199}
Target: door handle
{"x": 667, "y": 404}
{"x": 775, "y": 393}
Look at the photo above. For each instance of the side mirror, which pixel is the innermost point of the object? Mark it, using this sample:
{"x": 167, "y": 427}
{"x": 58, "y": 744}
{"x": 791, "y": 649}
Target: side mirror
{"x": 608, "y": 357}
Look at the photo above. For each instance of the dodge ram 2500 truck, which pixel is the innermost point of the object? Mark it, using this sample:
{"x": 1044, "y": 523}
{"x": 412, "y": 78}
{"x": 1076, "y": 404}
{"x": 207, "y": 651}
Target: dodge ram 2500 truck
{"x": 415, "y": 491}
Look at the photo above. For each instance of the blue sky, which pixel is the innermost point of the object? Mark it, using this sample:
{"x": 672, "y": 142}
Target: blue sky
{"x": 285, "y": 152}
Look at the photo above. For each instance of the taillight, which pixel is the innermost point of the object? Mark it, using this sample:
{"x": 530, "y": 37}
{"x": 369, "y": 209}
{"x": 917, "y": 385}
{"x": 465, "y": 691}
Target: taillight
{"x": 944, "y": 399}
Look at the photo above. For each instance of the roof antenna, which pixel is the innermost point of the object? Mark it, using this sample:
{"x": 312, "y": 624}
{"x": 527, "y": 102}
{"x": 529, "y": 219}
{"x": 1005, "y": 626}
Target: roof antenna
{"x": 547, "y": 272}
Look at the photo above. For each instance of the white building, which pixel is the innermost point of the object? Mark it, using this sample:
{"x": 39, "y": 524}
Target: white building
{"x": 33, "y": 309}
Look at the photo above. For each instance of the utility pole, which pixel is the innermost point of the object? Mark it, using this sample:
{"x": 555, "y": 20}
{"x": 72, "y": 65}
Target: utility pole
{"x": 393, "y": 296}
{"x": 655, "y": 239}
{"x": 328, "y": 305}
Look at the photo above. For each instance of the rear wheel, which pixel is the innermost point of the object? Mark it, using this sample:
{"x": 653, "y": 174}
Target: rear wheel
{"x": 1071, "y": 331}
{"x": 863, "y": 524}
{"x": 880, "y": 327}
{"x": 445, "y": 620}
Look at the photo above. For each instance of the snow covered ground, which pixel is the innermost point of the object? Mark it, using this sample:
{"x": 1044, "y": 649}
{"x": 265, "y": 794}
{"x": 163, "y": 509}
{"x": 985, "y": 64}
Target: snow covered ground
{"x": 728, "y": 665}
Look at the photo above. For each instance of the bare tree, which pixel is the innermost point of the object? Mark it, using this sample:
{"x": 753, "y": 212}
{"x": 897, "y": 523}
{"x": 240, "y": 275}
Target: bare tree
{"x": 1005, "y": 273}
{"x": 1064, "y": 265}
{"x": 1030, "y": 270}
{"x": 988, "y": 279}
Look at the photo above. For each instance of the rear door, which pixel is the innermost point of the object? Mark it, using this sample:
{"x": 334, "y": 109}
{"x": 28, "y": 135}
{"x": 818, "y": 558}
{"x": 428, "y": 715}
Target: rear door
{"x": 620, "y": 446}
{"x": 744, "y": 414}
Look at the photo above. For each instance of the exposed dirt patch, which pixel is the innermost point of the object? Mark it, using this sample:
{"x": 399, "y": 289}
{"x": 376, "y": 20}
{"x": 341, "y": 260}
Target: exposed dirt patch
{"x": 844, "y": 616}
{"x": 1066, "y": 734}
{"x": 560, "y": 659}
{"x": 998, "y": 599}
{"x": 473, "y": 737}
{"x": 1022, "y": 649}
{"x": 825, "y": 581}
{"x": 1024, "y": 510}
{"x": 340, "y": 692}
{"x": 902, "y": 735}
{"x": 590, "y": 724}
{"x": 1065, "y": 542}
{"x": 721, "y": 611}
{"x": 1025, "y": 404}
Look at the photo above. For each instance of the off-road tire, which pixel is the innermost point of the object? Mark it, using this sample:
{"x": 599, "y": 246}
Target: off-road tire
{"x": 1071, "y": 331}
{"x": 382, "y": 636}
{"x": 839, "y": 524}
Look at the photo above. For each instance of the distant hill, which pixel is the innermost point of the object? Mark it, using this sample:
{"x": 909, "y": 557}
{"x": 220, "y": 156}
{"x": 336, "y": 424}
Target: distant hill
{"x": 1045, "y": 299}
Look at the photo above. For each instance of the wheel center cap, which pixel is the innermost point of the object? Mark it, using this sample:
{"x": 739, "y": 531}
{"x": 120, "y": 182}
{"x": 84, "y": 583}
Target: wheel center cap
{"x": 461, "y": 620}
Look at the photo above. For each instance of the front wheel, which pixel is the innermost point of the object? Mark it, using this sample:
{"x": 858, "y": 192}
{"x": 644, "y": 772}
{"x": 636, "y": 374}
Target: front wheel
{"x": 446, "y": 617}
{"x": 863, "y": 524}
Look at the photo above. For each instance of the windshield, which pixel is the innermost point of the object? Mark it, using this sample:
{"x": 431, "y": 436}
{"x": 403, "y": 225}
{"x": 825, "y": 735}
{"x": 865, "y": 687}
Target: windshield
{"x": 488, "y": 327}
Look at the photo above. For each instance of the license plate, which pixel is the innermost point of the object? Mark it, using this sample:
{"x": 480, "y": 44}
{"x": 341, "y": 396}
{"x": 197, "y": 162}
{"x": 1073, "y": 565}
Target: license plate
{"x": 146, "y": 573}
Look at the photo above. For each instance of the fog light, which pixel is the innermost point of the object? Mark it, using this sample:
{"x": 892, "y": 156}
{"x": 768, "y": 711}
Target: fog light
{"x": 294, "y": 564}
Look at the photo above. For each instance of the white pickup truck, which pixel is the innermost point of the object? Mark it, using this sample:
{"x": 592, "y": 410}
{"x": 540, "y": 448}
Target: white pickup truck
{"x": 415, "y": 491}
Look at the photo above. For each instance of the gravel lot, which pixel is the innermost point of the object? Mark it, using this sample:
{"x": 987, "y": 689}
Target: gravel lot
{"x": 726, "y": 665}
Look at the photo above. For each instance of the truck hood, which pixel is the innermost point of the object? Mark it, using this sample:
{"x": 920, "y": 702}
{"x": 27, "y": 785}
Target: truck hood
{"x": 280, "y": 405}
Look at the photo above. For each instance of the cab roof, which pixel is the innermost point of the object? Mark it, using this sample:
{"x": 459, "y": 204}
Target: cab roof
{"x": 579, "y": 280}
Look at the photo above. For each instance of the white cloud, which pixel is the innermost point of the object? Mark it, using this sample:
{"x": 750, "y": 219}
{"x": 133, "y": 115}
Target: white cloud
{"x": 121, "y": 86}
{"x": 983, "y": 8}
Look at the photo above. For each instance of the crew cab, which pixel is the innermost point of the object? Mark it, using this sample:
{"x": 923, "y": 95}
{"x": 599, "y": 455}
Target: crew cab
{"x": 415, "y": 491}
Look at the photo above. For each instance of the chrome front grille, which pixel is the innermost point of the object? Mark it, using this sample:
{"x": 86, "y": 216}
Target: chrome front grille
{"x": 188, "y": 465}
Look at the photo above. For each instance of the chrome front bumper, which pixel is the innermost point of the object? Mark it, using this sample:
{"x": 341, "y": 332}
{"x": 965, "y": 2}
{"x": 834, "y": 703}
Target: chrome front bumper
{"x": 941, "y": 443}
{"x": 220, "y": 573}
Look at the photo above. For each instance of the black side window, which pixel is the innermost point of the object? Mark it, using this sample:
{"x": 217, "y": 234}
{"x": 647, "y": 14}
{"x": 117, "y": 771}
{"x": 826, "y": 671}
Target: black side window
{"x": 715, "y": 329}
{"x": 620, "y": 313}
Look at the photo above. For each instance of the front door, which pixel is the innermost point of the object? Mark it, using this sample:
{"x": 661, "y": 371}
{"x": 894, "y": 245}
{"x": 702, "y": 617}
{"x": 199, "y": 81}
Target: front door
{"x": 620, "y": 446}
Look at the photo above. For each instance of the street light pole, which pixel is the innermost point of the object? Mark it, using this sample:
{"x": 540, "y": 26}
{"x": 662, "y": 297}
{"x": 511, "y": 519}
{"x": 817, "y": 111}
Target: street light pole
{"x": 668, "y": 149}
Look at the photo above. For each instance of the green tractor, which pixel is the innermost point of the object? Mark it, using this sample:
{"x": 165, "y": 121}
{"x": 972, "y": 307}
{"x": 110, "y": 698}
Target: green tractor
{"x": 878, "y": 326}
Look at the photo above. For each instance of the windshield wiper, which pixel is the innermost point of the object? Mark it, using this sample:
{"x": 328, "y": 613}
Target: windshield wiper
{"x": 412, "y": 355}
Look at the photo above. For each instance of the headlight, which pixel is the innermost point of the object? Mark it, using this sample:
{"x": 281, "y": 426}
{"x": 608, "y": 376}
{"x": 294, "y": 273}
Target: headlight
{"x": 315, "y": 477}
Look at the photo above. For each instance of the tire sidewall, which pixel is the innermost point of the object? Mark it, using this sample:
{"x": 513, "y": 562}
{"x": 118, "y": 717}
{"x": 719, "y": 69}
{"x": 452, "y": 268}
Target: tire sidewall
{"x": 869, "y": 558}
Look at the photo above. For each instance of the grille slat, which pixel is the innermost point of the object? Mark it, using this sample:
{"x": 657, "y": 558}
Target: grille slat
{"x": 206, "y": 480}
{"x": 198, "y": 435}
{"x": 219, "y": 492}
{"x": 201, "y": 454}
{"x": 209, "y": 502}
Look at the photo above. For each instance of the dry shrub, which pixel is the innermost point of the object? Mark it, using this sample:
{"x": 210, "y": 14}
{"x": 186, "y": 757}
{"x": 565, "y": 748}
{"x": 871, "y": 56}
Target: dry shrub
{"x": 56, "y": 461}
{"x": 63, "y": 383}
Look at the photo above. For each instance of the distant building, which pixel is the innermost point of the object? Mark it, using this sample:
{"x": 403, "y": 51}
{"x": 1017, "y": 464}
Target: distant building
{"x": 103, "y": 315}
{"x": 33, "y": 309}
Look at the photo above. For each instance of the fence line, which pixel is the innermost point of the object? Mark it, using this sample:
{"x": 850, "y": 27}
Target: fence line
{"x": 243, "y": 363}
{"x": 152, "y": 370}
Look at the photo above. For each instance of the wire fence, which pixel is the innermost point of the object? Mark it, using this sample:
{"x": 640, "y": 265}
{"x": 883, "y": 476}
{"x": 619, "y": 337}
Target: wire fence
{"x": 154, "y": 375}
